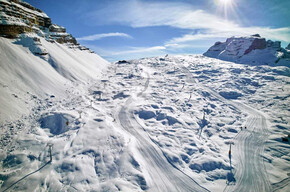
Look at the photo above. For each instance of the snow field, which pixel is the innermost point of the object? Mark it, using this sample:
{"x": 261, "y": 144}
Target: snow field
{"x": 154, "y": 124}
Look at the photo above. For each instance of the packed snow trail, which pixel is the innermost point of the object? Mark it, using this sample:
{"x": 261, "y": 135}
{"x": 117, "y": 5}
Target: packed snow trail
{"x": 250, "y": 173}
{"x": 163, "y": 176}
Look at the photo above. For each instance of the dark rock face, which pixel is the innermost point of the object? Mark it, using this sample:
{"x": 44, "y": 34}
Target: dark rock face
{"x": 11, "y": 31}
{"x": 257, "y": 44}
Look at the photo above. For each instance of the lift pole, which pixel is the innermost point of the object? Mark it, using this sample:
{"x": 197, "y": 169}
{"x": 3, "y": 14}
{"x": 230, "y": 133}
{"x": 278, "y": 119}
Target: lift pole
{"x": 50, "y": 151}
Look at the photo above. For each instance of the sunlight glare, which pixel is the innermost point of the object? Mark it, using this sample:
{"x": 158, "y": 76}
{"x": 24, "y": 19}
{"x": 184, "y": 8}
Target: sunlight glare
{"x": 225, "y": 2}
{"x": 226, "y": 7}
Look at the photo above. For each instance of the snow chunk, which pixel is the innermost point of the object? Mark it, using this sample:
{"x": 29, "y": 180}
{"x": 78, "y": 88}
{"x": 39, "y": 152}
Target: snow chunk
{"x": 33, "y": 43}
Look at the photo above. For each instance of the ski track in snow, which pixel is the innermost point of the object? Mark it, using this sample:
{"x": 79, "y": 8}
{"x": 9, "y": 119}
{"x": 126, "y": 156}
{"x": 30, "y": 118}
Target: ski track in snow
{"x": 101, "y": 154}
{"x": 164, "y": 176}
{"x": 250, "y": 174}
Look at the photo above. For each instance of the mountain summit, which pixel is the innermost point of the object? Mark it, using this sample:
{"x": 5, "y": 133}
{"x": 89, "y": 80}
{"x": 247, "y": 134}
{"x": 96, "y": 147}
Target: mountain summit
{"x": 251, "y": 50}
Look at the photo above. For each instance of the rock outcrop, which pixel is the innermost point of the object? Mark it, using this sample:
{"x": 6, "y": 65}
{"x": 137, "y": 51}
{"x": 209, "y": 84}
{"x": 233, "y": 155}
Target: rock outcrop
{"x": 18, "y": 17}
{"x": 250, "y": 50}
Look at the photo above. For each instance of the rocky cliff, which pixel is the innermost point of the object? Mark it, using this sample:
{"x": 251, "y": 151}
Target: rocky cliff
{"x": 251, "y": 50}
{"x": 19, "y": 17}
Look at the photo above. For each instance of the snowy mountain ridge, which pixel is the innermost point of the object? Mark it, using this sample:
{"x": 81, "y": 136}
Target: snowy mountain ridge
{"x": 38, "y": 59}
{"x": 250, "y": 50}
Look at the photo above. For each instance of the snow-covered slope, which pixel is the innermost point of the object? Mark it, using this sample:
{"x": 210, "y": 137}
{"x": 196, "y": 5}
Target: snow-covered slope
{"x": 157, "y": 124}
{"x": 72, "y": 122}
{"x": 250, "y": 50}
{"x": 25, "y": 75}
{"x": 39, "y": 60}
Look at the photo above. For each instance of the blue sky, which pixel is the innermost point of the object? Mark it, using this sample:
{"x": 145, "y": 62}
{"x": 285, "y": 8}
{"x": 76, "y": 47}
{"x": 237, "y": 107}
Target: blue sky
{"x": 127, "y": 29}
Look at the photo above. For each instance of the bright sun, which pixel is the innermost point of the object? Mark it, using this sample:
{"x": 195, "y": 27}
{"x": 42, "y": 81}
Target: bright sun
{"x": 225, "y": 2}
{"x": 227, "y": 7}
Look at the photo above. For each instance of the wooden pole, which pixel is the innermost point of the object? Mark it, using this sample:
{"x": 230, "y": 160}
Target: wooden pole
{"x": 50, "y": 151}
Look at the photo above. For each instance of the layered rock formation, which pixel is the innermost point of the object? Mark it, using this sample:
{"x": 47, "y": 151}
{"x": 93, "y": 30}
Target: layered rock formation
{"x": 19, "y": 17}
{"x": 251, "y": 50}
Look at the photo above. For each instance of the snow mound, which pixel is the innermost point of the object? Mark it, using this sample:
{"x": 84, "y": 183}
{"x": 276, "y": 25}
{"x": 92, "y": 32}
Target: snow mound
{"x": 251, "y": 50}
{"x": 33, "y": 43}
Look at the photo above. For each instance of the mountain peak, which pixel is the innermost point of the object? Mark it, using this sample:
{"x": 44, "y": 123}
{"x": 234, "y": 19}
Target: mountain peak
{"x": 250, "y": 49}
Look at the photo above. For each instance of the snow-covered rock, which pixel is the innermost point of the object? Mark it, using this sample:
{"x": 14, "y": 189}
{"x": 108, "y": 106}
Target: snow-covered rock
{"x": 18, "y": 17}
{"x": 251, "y": 50}
{"x": 33, "y": 43}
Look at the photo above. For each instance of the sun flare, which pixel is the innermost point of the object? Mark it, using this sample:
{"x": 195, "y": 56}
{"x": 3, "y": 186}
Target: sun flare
{"x": 225, "y": 2}
{"x": 226, "y": 7}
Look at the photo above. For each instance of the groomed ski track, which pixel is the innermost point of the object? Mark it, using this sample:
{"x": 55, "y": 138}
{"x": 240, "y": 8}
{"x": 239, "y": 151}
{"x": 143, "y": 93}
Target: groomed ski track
{"x": 250, "y": 173}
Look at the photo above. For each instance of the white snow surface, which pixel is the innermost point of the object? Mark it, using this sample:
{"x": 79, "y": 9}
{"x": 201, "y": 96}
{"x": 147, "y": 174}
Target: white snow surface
{"x": 31, "y": 67}
{"x": 154, "y": 124}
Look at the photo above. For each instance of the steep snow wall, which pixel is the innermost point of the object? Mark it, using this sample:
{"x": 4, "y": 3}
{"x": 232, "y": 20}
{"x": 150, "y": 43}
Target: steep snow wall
{"x": 32, "y": 67}
{"x": 251, "y": 50}
{"x": 40, "y": 60}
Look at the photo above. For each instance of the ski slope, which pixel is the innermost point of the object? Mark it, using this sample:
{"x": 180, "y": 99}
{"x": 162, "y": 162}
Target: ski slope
{"x": 251, "y": 173}
{"x": 164, "y": 176}
{"x": 154, "y": 124}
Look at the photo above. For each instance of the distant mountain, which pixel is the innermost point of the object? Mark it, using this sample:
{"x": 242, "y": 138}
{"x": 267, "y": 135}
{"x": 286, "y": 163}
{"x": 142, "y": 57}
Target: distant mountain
{"x": 38, "y": 58}
{"x": 251, "y": 50}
